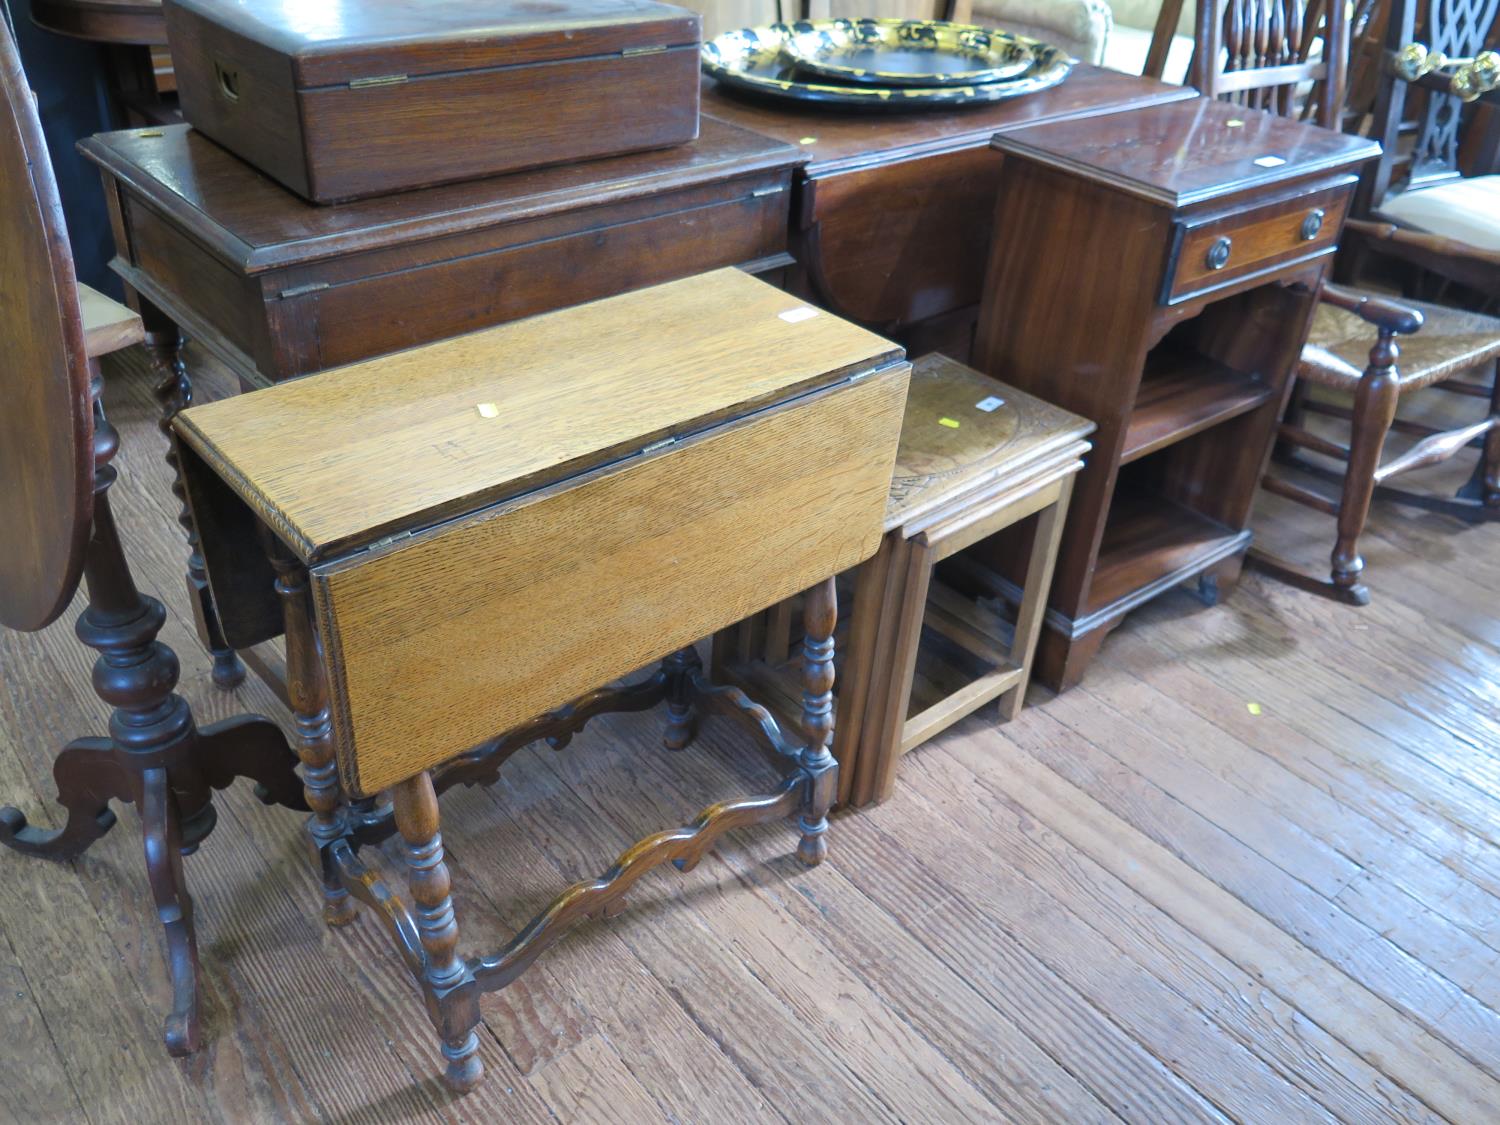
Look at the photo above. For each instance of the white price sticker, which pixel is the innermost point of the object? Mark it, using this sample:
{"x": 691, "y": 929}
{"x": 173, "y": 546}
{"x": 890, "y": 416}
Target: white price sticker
{"x": 989, "y": 405}
{"x": 797, "y": 316}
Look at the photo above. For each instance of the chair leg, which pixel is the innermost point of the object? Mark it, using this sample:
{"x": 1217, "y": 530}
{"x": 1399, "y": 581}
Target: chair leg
{"x": 1374, "y": 409}
{"x": 455, "y": 1011}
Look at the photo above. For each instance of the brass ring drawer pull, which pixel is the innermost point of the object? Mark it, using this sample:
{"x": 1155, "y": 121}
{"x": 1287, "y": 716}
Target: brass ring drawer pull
{"x": 1312, "y": 225}
{"x": 1218, "y": 254}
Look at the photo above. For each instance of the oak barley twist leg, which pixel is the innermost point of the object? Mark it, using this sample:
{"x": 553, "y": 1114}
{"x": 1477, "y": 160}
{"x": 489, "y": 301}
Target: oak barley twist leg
{"x": 174, "y": 391}
{"x": 447, "y": 980}
{"x": 307, "y": 687}
{"x": 819, "y": 616}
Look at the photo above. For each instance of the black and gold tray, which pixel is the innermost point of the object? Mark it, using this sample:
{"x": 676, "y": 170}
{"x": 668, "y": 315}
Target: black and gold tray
{"x": 884, "y": 52}
{"x": 754, "y": 60}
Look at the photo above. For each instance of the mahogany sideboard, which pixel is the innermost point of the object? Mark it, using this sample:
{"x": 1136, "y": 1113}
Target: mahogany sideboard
{"x": 892, "y": 213}
{"x": 1164, "y": 289}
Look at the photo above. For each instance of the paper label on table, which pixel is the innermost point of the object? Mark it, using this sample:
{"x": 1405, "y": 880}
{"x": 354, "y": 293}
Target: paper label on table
{"x": 796, "y": 316}
{"x": 488, "y": 410}
{"x": 989, "y": 405}
{"x": 1269, "y": 161}
{"x": 951, "y": 423}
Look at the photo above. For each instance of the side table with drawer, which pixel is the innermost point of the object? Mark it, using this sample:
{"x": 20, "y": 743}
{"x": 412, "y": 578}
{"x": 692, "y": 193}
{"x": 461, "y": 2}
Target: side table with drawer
{"x": 462, "y": 542}
{"x": 1164, "y": 290}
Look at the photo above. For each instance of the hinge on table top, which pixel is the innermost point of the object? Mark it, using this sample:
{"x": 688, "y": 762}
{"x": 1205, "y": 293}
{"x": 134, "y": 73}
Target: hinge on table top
{"x": 655, "y": 445}
{"x": 389, "y": 539}
{"x": 378, "y": 80}
{"x": 302, "y": 290}
{"x": 629, "y": 51}
{"x": 760, "y": 193}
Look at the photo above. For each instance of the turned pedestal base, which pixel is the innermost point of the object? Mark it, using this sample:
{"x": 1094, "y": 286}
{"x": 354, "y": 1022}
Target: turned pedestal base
{"x": 155, "y": 757}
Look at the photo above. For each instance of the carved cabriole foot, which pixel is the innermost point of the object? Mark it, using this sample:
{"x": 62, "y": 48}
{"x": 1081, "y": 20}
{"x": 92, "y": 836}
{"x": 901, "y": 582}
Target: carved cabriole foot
{"x": 161, "y": 826}
{"x": 174, "y": 391}
{"x": 308, "y": 690}
{"x": 818, "y": 766}
{"x": 682, "y": 719}
{"x": 448, "y": 983}
{"x": 88, "y": 777}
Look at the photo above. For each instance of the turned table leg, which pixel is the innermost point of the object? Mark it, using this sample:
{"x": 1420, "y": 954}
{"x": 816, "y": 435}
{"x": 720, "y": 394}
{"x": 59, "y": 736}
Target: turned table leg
{"x": 819, "y": 616}
{"x": 455, "y": 1010}
{"x": 682, "y": 719}
{"x": 307, "y": 686}
{"x": 174, "y": 391}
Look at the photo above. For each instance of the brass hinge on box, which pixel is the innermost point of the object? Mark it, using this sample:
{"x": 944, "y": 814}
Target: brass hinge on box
{"x": 378, "y": 80}
{"x": 302, "y": 290}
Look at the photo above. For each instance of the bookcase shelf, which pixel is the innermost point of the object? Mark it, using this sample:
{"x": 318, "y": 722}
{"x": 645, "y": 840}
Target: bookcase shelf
{"x": 1183, "y": 393}
{"x": 1151, "y": 541}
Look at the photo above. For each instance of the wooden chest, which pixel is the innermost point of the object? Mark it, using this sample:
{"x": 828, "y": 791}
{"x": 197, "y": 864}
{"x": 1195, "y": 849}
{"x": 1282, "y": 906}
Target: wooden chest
{"x": 343, "y": 99}
{"x": 498, "y": 523}
{"x": 275, "y": 287}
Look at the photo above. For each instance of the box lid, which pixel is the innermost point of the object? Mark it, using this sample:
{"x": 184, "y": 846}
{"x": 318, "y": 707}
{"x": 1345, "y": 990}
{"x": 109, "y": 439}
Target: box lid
{"x": 334, "y": 42}
{"x": 1186, "y": 152}
{"x": 352, "y": 456}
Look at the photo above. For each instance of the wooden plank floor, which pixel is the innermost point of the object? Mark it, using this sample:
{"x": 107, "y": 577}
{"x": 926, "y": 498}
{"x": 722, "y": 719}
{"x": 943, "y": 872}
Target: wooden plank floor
{"x": 1249, "y": 871}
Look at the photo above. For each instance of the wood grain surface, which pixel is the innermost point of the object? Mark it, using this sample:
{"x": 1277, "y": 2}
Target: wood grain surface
{"x": 395, "y": 442}
{"x": 454, "y": 636}
{"x": 1186, "y": 152}
{"x": 373, "y": 98}
{"x": 46, "y": 422}
{"x": 108, "y": 325}
{"x": 1183, "y": 909}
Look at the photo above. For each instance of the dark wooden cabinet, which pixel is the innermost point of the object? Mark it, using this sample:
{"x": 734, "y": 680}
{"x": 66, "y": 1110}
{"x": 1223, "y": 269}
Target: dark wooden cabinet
{"x": 1159, "y": 277}
{"x": 893, "y": 214}
{"x": 277, "y": 287}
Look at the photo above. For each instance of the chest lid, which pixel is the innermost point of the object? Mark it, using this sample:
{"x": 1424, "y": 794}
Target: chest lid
{"x": 344, "y": 459}
{"x": 1187, "y": 152}
{"x": 336, "y": 42}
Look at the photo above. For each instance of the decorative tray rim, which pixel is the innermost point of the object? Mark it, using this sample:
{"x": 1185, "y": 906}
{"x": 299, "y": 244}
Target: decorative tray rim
{"x": 721, "y": 58}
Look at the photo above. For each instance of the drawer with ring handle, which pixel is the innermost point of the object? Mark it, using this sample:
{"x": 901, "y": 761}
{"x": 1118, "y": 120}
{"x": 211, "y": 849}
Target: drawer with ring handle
{"x": 1217, "y": 249}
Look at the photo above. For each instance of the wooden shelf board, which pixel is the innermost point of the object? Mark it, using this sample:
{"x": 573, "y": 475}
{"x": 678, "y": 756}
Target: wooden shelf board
{"x": 1148, "y": 537}
{"x": 1181, "y": 395}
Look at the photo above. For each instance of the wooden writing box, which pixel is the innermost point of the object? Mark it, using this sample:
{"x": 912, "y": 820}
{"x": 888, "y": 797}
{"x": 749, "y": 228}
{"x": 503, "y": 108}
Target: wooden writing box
{"x": 498, "y": 523}
{"x": 341, "y": 99}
